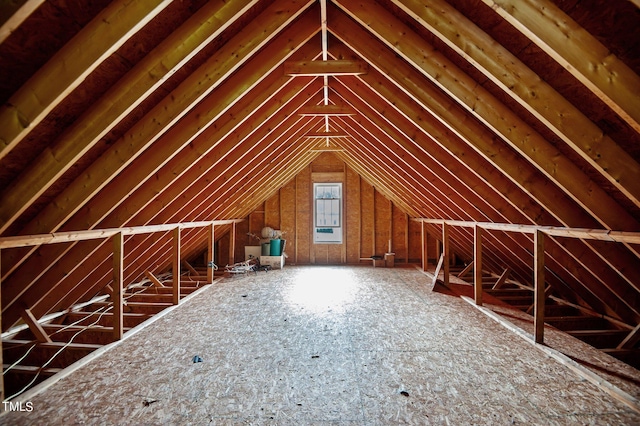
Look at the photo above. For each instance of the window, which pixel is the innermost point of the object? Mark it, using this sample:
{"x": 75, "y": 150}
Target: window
{"x": 327, "y": 213}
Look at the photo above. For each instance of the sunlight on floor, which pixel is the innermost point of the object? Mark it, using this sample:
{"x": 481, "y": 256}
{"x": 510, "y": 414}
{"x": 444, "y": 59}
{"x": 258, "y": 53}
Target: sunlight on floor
{"x": 322, "y": 290}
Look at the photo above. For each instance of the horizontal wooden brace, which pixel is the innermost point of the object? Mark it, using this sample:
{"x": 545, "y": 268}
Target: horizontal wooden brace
{"x": 65, "y": 237}
{"x": 325, "y": 68}
{"x": 8, "y": 343}
{"x": 322, "y": 110}
{"x": 556, "y": 231}
{"x": 326, "y": 135}
{"x": 31, "y": 370}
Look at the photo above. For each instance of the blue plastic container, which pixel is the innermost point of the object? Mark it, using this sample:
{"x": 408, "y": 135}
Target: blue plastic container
{"x": 276, "y": 249}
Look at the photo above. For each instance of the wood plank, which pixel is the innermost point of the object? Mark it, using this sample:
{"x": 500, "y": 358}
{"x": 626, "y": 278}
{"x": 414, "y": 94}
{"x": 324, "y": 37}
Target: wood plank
{"x": 118, "y": 284}
{"x": 437, "y": 271}
{"x": 155, "y": 281}
{"x": 325, "y": 68}
{"x": 477, "y": 262}
{"x": 329, "y": 135}
{"x": 539, "y": 286}
{"x": 466, "y": 269}
{"x": 211, "y": 247}
{"x": 322, "y": 110}
{"x": 446, "y": 252}
{"x": 53, "y": 345}
{"x": 175, "y": 269}
{"x": 190, "y": 268}
{"x": 16, "y": 12}
{"x": 424, "y": 245}
{"x": 35, "y": 326}
{"x": 502, "y": 279}
{"x": 631, "y": 339}
{"x": 31, "y": 370}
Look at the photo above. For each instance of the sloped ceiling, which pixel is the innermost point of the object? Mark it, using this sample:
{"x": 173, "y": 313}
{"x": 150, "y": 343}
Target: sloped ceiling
{"x": 125, "y": 113}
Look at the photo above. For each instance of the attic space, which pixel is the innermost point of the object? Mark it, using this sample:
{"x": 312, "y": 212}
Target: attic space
{"x": 152, "y": 151}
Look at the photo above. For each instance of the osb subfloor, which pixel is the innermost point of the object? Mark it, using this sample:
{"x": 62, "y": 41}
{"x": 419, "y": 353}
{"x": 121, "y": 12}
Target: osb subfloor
{"x": 325, "y": 345}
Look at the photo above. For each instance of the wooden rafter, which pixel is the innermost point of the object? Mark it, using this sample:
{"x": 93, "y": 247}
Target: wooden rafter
{"x": 478, "y": 102}
{"x": 437, "y": 165}
{"x": 551, "y": 197}
{"x": 577, "y": 51}
{"x": 520, "y": 82}
{"x": 125, "y": 183}
{"x": 173, "y": 107}
{"x": 79, "y": 57}
{"x": 16, "y": 13}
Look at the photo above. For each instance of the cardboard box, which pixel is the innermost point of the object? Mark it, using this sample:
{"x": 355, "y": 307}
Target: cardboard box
{"x": 252, "y": 251}
{"x": 276, "y": 262}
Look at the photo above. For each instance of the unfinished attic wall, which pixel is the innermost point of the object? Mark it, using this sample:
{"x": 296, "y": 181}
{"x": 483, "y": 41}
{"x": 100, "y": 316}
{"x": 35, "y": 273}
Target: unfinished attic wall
{"x": 371, "y": 220}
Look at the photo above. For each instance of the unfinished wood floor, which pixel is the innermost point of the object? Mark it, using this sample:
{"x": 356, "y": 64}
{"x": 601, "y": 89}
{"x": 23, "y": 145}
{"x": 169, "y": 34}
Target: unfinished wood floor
{"x": 324, "y": 345}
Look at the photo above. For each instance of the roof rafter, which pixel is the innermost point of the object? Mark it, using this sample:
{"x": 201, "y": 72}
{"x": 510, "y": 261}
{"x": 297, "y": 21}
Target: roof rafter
{"x": 479, "y": 103}
{"x": 577, "y": 51}
{"x": 530, "y": 91}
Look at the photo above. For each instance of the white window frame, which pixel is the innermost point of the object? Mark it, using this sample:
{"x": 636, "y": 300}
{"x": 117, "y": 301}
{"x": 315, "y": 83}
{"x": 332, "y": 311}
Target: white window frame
{"x": 327, "y": 212}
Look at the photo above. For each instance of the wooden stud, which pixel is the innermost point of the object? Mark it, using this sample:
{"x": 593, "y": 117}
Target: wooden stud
{"x": 35, "y": 326}
{"x": 176, "y": 265}
{"x": 390, "y": 248}
{"x": 539, "y": 287}
{"x": 424, "y": 245}
{"x": 1, "y": 360}
{"x": 118, "y": 284}
{"x": 445, "y": 252}
{"x": 232, "y": 244}
{"x": 373, "y": 228}
{"x": 211, "y": 241}
{"x": 406, "y": 238}
{"x": 477, "y": 262}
